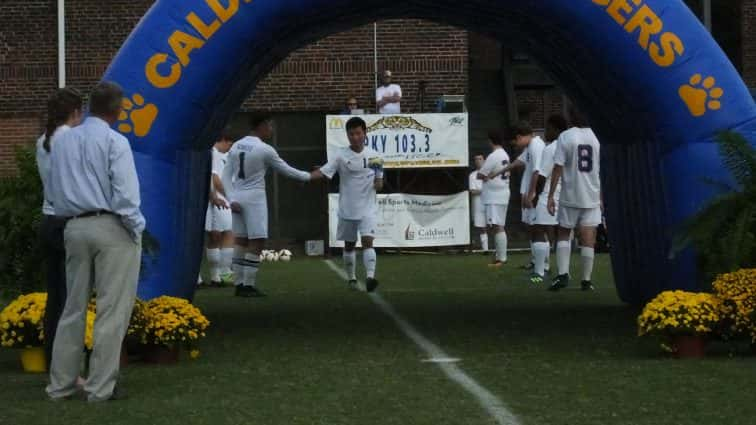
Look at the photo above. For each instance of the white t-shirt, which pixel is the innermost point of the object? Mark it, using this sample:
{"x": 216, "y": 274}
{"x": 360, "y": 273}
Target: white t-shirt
{"x": 476, "y": 184}
{"x": 532, "y": 158}
{"x": 578, "y": 151}
{"x": 43, "y": 164}
{"x": 247, "y": 163}
{"x": 357, "y": 197}
{"x": 496, "y": 191}
{"x": 218, "y": 164}
{"x": 386, "y": 91}
{"x": 547, "y": 165}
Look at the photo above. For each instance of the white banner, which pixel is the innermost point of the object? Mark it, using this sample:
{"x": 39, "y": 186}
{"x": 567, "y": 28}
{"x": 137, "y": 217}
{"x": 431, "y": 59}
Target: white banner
{"x": 409, "y": 140}
{"x": 414, "y": 220}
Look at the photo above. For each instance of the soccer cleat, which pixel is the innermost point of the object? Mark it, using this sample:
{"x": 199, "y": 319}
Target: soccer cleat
{"x": 239, "y": 290}
{"x": 216, "y": 284}
{"x": 496, "y": 264}
{"x": 370, "y": 284}
{"x": 352, "y": 284}
{"x": 255, "y": 293}
{"x": 559, "y": 282}
{"x": 529, "y": 266}
{"x": 227, "y": 278}
{"x": 586, "y": 285}
{"x": 536, "y": 279}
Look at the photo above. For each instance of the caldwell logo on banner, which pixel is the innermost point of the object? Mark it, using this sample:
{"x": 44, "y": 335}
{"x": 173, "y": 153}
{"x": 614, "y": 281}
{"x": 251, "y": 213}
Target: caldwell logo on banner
{"x": 409, "y": 140}
{"x": 413, "y": 220}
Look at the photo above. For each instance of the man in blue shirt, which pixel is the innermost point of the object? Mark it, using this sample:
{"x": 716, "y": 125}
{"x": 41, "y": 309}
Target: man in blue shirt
{"x": 93, "y": 183}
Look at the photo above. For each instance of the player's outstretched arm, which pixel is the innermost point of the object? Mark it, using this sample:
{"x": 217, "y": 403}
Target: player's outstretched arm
{"x": 281, "y": 167}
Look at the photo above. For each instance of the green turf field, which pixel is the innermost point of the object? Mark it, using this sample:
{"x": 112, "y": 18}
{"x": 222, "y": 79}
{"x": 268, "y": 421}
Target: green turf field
{"x": 315, "y": 353}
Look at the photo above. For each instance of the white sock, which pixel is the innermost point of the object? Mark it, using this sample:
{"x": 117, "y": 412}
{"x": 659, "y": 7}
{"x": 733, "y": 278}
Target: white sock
{"x": 226, "y": 258}
{"x": 501, "y": 246}
{"x": 199, "y": 278}
{"x": 532, "y": 253}
{"x": 369, "y": 259}
{"x": 484, "y": 241}
{"x": 350, "y": 264}
{"x": 547, "y": 263}
{"x": 238, "y": 265}
{"x": 540, "y": 252}
{"x": 213, "y": 263}
{"x": 587, "y": 255}
{"x": 251, "y": 266}
{"x": 563, "y": 257}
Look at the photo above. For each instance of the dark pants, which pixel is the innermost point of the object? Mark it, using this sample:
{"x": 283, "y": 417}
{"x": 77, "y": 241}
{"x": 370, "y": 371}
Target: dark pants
{"x": 51, "y": 232}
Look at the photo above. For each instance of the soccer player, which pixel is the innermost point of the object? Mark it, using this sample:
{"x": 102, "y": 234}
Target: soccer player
{"x": 576, "y": 163}
{"x": 361, "y": 175}
{"x": 543, "y": 223}
{"x": 532, "y": 153}
{"x": 478, "y": 212}
{"x": 495, "y": 195}
{"x": 244, "y": 182}
{"x": 220, "y": 238}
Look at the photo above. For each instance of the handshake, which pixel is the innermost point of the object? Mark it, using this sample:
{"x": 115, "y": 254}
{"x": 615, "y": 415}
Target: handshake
{"x": 376, "y": 164}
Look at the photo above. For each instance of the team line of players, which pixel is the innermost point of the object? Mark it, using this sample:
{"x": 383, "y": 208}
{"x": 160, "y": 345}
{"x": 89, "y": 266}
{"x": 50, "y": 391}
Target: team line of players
{"x": 560, "y": 188}
{"x": 238, "y": 209}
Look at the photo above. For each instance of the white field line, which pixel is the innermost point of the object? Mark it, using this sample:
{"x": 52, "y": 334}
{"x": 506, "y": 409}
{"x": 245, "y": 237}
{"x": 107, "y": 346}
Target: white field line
{"x": 489, "y": 402}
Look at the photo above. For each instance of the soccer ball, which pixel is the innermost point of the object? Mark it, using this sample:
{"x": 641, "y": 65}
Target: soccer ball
{"x": 274, "y": 256}
{"x": 285, "y": 257}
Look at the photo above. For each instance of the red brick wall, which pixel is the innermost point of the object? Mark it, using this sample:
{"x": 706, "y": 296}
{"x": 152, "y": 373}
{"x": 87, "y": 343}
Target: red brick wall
{"x": 321, "y": 76}
{"x": 749, "y": 42}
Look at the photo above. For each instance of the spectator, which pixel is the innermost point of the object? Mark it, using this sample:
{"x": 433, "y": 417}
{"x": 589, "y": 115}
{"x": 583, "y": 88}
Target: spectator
{"x": 388, "y": 96}
{"x": 351, "y": 105}
{"x": 93, "y": 182}
{"x": 64, "y": 110}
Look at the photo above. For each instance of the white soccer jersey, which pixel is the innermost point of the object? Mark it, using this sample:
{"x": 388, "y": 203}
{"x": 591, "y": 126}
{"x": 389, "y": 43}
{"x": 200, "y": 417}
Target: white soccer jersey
{"x": 476, "y": 184}
{"x": 496, "y": 191}
{"x": 547, "y": 165}
{"x": 578, "y": 151}
{"x": 357, "y": 197}
{"x": 532, "y": 158}
{"x": 248, "y": 161}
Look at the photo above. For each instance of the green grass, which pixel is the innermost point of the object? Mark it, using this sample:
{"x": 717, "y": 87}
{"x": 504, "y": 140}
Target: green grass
{"x": 315, "y": 353}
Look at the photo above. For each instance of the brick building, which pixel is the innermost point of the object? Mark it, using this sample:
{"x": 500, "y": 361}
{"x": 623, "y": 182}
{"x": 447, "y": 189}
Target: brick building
{"x": 499, "y": 81}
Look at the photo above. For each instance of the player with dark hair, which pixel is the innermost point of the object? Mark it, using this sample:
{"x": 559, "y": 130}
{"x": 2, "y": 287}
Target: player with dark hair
{"x": 361, "y": 175}
{"x": 495, "y": 193}
{"x": 244, "y": 182}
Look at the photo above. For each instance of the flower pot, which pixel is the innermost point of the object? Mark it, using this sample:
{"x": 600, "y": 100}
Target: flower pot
{"x": 689, "y": 347}
{"x": 161, "y": 354}
{"x": 33, "y": 360}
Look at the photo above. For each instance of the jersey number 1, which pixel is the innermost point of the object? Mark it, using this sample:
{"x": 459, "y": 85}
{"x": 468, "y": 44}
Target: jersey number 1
{"x": 241, "y": 166}
{"x": 585, "y": 158}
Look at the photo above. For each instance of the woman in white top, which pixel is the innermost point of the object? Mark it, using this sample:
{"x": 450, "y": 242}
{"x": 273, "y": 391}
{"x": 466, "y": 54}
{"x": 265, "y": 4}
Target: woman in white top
{"x": 64, "y": 110}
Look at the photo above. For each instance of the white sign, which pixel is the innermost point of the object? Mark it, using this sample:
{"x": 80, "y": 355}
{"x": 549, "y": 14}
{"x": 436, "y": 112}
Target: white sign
{"x": 414, "y": 220}
{"x": 410, "y": 140}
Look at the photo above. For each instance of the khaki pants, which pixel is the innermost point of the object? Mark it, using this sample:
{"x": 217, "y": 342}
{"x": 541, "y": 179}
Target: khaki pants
{"x": 99, "y": 252}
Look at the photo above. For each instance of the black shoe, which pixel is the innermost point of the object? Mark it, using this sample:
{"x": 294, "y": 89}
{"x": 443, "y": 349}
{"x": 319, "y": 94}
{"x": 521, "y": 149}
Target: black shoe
{"x": 586, "y": 285}
{"x": 217, "y": 284}
{"x": 371, "y": 284}
{"x": 119, "y": 393}
{"x": 352, "y": 284}
{"x": 239, "y": 291}
{"x": 559, "y": 282}
{"x": 255, "y": 293}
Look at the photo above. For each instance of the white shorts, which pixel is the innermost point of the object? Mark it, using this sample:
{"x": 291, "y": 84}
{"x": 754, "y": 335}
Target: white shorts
{"x": 496, "y": 214}
{"x": 252, "y": 222}
{"x": 569, "y": 217}
{"x": 479, "y": 217}
{"x": 217, "y": 219}
{"x": 352, "y": 230}
{"x": 541, "y": 216}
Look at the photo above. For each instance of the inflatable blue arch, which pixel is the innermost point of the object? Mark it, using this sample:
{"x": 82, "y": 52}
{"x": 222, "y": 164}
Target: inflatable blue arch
{"x": 656, "y": 87}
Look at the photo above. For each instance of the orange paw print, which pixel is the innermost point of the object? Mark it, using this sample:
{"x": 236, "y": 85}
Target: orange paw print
{"x": 701, "y": 95}
{"x": 136, "y": 116}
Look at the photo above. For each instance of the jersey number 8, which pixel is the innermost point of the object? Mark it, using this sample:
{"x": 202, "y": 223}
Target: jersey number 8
{"x": 585, "y": 158}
